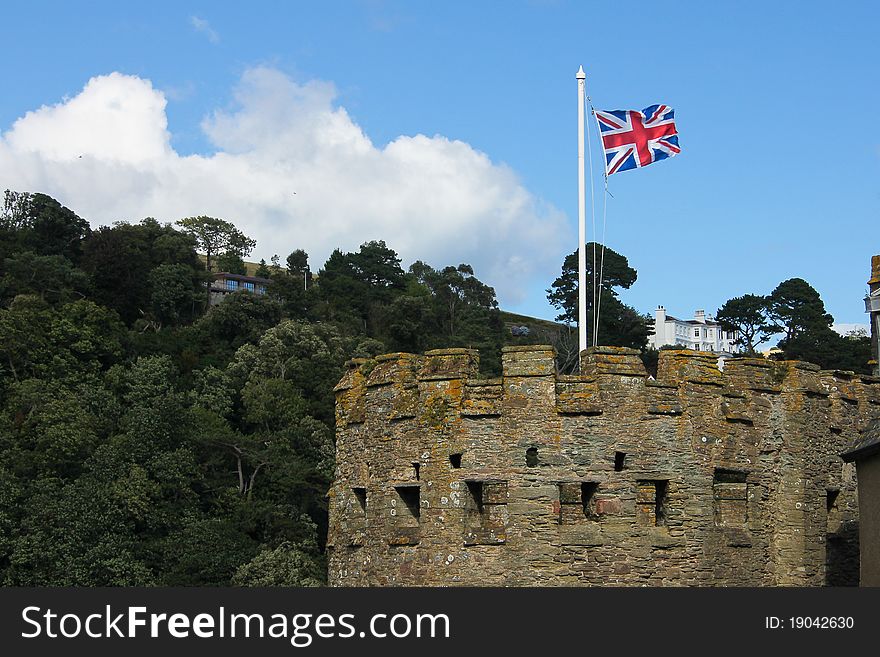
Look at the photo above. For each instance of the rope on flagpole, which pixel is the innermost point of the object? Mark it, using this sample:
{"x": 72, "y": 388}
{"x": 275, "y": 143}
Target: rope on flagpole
{"x": 597, "y": 295}
{"x": 602, "y": 265}
{"x": 592, "y": 213}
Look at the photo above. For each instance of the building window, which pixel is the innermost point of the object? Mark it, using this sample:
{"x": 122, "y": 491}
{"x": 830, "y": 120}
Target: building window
{"x": 486, "y": 513}
{"x": 651, "y": 502}
{"x": 696, "y": 332}
{"x": 356, "y": 515}
{"x": 360, "y": 496}
{"x": 577, "y": 502}
{"x": 249, "y": 286}
{"x": 532, "y": 457}
{"x": 231, "y": 284}
{"x": 405, "y": 515}
{"x": 730, "y": 492}
{"x": 831, "y": 506}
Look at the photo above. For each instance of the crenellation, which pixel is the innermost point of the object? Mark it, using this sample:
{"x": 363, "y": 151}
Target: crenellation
{"x": 529, "y": 360}
{"x": 446, "y": 364}
{"x": 756, "y": 374}
{"x": 612, "y": 361}
{"x": 681, "y": 365}
{"x": 609, "y": 477}
{"x": 350, "y": 394}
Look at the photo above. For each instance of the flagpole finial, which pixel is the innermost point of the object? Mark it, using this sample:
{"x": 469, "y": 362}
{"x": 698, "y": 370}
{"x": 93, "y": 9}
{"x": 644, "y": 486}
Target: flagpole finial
{"x": 580, "y": 74}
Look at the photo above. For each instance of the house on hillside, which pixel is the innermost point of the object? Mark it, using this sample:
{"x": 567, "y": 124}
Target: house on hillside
{"x": 701, "y": 333}
{"x": 225, "y": 283}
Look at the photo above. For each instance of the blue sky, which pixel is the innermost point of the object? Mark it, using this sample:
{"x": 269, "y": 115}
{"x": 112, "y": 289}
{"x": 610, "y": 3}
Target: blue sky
{"x": 328, "y": 100}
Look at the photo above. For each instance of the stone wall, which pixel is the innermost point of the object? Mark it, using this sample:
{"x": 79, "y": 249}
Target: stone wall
{"x": 606, "y": 478}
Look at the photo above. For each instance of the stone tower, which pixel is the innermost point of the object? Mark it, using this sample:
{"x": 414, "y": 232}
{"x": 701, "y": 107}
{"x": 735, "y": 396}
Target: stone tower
{"x": 605, "y": 478}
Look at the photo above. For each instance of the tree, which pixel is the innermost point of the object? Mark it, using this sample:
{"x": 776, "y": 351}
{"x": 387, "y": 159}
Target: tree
{"x": 275, "y": 267}
{"x": 311, "y": 356}
{"x": 619, "y": 324}
{"x": 69, "y": 343}
{"x": 338, "y": 287}
{"x": 215, "y": 236}
{"x": 120, "y": 261}
{"x": 747, "y": 315}
{"x": 263, "y": 269}
{"x": 409, "y": 322}
{"x": 795, "y": 308}
{"x": 829, "y": 350}
{"x": 377, "y": 265}
{"x": 286, "y": 565}
{"x": 456, "y": 290}
{"x": 173, "y": 294}
{"x": 53, "y": 278}
{"x": 231, "y": 263}
{"x": 290, "y": 291}
{"x": 241, "y": 318}
{"x": 298, "y": 263}
{"x": 39, "y": 223}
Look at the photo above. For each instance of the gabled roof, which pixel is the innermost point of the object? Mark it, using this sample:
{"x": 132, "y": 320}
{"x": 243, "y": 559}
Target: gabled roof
{"x": 868, "y": 443}
{"x": 239, "y": 277}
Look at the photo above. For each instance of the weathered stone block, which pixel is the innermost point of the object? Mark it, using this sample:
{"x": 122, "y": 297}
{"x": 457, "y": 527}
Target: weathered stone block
{"x": 442, "y": 364}
{"x": 608, "y": 506}
{"x": 530, "y": 360}
{"x": 570, "y": 492}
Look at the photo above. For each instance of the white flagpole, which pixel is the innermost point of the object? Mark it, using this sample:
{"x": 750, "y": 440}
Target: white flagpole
{"x": 582, "y": 227}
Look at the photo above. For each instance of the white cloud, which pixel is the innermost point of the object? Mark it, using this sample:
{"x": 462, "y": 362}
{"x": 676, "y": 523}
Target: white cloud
{"x": 106, "y": 153}
{"x": 203, "y": 26}
{"x": 115, "y": 117}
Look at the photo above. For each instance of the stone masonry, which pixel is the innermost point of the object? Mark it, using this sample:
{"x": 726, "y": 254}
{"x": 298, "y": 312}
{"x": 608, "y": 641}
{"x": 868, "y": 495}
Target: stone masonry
{"x": 605, "y": 478}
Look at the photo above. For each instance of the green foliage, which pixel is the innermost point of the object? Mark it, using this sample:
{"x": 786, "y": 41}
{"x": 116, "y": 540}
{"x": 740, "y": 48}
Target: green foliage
{"x": 206, "y": 552}
{"x": 39, "y": 223}
{"x": 796, "y": 309}
{"x": 215, "y": 236}
{"x": 298, "y": 264}
{"x": 356, "y": 284}
{"x": 748, "y": 316}
{"x": 241, "y": 318}
{"x": 289, "y": 289}
{"x": 286, "y": 565}
{"x": 53, "y": 278}
{"x": 129, "y": 264}
{"x": 830, "y": 350}
{"x": 231, "y": 263}
{"x": 619, "y": 325}
{"x": 174, "y": 293}
{"x": 145, "y": 440}
{"x": 310, "y": 356}
{"x": 68, "y": 343}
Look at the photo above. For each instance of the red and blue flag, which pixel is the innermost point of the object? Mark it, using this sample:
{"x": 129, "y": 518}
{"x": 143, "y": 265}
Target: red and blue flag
{"x": 633, "y": 139}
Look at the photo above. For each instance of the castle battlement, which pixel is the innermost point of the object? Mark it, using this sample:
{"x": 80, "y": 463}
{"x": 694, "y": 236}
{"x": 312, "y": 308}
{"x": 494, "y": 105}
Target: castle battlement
{"x": 608, "y": 477}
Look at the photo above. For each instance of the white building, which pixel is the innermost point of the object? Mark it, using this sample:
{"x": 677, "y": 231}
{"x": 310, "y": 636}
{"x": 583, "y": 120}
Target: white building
{"x": 701, "y": 333}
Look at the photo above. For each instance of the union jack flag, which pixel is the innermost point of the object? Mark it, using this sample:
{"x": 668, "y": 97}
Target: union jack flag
{"x": 633, "y": 139}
